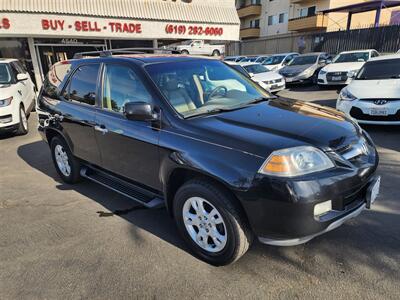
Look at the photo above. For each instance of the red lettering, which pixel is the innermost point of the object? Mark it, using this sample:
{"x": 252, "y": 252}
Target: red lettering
{"x": 61, "y": 24}
{"x": 45, "y": 24}
{"x": 138, "y": 28}
{"x": 94, "y": 27}
{"x": 111, "y": 24}
{"x": 78, "y": 26}
{"x": 85, "y": 26}
{"x": 118, "y": 27}
{"x": 5, "y": 23}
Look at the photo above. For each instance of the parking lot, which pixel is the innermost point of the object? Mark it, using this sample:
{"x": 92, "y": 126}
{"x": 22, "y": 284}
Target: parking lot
{"x": 84, "y": 241}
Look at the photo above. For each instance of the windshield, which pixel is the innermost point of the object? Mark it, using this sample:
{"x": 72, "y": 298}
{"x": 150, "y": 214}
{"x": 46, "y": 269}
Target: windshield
{"x": 381, "y": 69}
{"x": 5, "y": 76}
{"x": 274, "y": 60}
{"x": 351, "y": 57}
{"x": 249, "y": 59}
{"x": 256, "y": 69}
{"x": 303, "y": 60}
{"x": 202, "y": 86}
{"x": 240, "y": 69}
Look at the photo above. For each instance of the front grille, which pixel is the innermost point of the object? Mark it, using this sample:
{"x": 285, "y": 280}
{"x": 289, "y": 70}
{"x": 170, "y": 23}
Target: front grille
{"x": 359, "y": 194}
{"x": 342, "y": 75}
{"x": 273, "y": 81}
{"x": 358, "y": 114}
{"x": 290, "y": 74}
{"x": 375, "y": 99}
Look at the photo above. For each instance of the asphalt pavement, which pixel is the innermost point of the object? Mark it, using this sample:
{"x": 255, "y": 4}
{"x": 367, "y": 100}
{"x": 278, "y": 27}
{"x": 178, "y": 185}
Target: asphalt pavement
{"x": 84, "y": 241}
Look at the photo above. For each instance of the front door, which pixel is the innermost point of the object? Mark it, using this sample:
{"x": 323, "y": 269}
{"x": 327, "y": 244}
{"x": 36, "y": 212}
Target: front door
{"x": 128, "y": 148}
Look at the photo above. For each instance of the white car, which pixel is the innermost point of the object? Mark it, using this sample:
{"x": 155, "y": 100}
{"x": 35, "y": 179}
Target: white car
{"x": 17, "y": 96}
{"x": 373, "y": 96}
{"x": 278, "y": 61}
{"x": 201, "y": 48}
{"x": 259, "y": 73}
{"x": 345, "y": 63}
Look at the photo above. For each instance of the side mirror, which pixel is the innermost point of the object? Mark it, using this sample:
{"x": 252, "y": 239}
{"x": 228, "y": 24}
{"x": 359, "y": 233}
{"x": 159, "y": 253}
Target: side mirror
{"x": 322, "y": 62}
{"x": 328, "y": 61}
{"x": 22, "y": 77}
{"x": 139, "y": 111}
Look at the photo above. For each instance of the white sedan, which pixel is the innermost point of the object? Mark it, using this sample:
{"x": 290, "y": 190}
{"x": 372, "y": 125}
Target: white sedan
{"x": 345, "y": 63}
{"x": 17, "y": 96}
{"x": 373, "y": 96}
{"x": 259, "y": 73}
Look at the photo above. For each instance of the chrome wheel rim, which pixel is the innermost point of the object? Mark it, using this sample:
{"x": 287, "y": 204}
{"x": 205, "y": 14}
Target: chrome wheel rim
{"x": 24, "y": 121}
{"x": 62, "y": 160}
{"x": 204, "y": 224}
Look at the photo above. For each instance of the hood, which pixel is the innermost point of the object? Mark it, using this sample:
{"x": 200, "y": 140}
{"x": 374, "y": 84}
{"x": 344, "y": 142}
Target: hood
{"x": 372, "y": 89}
{"x": 267, "y": 126}
{"x": 272, "y": 67}
{"x": 343, "y": 67}
{"x": 294, "y": 70}
{"x": 266, "y": 76}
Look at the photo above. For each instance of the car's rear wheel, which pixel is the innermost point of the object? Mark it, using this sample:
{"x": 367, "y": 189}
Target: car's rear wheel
{"x": 211, "y": 223}
{"x": 185, "y": 52}
{"x": 216, "y": 53}
{"x": 67, "y": 166}
{"x": 23, "y": 122}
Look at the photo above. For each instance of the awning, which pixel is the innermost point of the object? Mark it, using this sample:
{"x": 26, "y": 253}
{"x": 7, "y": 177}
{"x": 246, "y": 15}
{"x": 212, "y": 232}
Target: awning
{"x": 363, "y": 7}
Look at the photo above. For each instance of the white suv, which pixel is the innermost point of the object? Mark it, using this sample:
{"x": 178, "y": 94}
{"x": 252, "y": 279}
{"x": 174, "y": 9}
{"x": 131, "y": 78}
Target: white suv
{"x": 17, "y": 96}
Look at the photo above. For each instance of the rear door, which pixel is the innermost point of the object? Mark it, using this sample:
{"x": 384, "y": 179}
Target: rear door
{"x": 78, "y": 111}
{"x": 128, "y": 148}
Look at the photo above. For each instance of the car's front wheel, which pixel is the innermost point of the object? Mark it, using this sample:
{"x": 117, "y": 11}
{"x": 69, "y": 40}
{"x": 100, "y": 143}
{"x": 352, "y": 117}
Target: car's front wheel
{"x": 211, "y": 222}
{"x": 67, "y": 166}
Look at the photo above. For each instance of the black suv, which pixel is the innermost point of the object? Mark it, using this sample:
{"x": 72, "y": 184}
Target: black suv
{"x": 228, "y": 161}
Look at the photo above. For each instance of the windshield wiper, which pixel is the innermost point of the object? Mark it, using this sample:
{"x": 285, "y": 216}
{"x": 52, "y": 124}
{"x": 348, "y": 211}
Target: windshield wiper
{"x": 214, "y": 111}
{"x": 258, "y": 100}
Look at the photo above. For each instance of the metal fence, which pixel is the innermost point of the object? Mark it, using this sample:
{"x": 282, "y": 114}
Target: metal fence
{"x": 383, "y": 39}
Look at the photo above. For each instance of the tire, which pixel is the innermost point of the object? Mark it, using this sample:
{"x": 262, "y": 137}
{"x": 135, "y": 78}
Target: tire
{"x": 216, "y": 53}
{"x": 314, "y": 79}
{"x": 185, "y": 52}
{"x": 64, "y": 155}
{"x": 233, "y": 233}
{"x": 23, "y": 122}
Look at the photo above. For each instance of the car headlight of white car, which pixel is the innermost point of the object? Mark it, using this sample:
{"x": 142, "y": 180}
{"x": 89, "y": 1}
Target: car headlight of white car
{"x": 5, "y": 102}
{"x": 322, "y": 72}
{"x": 345, "y": 95}
{"x": 296, "y": 161}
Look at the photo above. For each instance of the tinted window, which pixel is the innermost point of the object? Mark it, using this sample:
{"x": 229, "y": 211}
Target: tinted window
{"x": 5, "y": 76}
{"x": 352, "y": 57}
{"x": 122, "y": 85}
{"x": 256, "y": 69}
{"x": 82, "y": 87}
{"x": 384, "y": 69}
{"x": 274, "y": 60}
{"x": 54, "y": 78}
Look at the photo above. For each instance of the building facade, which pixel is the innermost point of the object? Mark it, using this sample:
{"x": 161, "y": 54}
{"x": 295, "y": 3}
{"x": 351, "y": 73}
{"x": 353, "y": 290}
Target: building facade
{"x": 42, "y": 32}
{"x": 263, "y": 18}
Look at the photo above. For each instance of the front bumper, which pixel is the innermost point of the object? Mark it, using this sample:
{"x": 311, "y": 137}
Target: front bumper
{"x": 281, "y": 211}
{"x": 9, "y": 116}
{"x": 360, "y": 110}
{"x": 298, "y": 79}
{"x": 323, "y": 80}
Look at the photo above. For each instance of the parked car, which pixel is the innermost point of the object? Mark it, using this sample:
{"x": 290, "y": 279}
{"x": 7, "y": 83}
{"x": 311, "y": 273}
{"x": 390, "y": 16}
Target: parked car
{"x": 234, "y": 58}
{"x": 346, "y": 62}
{"x": 272, "y": 80}
{"x": 255, "y": 58}
{"x": 191, "y": 133}
{"x": 200, "y": 47}
{"x": 373, "y": 95}
{"x": 243, "y": 71}
{"x": 305, "y": 68}
{"x": 17, "y": 96}
{"x": 278, "y": 61}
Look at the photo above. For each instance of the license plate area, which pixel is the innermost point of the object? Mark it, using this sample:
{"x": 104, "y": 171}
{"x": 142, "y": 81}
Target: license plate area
{"x": 336, "y": 78}
{"x": 378, "y": 112}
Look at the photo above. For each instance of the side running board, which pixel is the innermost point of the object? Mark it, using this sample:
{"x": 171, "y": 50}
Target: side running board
{"x": 136, "y": 193}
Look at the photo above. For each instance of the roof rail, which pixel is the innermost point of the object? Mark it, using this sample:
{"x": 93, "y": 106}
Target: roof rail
{"x": 108, "y": 53}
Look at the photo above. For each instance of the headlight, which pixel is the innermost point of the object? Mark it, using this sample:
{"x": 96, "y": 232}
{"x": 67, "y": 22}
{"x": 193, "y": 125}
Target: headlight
{"x": 352, "y": 73}
{"x": 295, "y": 162}
{"x": 5, "y": 102}
{"x": 345, "y": 95}
{"x": 322, "y": 72}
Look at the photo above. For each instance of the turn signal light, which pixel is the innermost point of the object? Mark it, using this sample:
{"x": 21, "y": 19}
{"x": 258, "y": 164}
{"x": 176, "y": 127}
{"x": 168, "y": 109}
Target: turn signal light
{"x": 277, "y": 164}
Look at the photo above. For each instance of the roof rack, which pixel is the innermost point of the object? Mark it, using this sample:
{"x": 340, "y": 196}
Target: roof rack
{"x": 108, "y": 53}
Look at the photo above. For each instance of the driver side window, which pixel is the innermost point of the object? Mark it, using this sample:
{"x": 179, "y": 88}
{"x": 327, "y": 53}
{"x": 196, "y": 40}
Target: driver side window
{"x": 121, "y": 85}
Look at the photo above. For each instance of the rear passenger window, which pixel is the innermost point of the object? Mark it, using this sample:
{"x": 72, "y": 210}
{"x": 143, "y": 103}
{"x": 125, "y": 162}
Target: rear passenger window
{"x": 82, "y": 86}
{"x": 122, "y": 85}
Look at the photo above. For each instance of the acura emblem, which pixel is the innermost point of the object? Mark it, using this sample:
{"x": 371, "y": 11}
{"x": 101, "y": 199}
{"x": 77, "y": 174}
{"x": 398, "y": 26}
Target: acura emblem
{"x": 380, "y": 102}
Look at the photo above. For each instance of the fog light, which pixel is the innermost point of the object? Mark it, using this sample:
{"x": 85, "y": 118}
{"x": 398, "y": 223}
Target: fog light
{"x": 6, "y": 119}
{"x": 322, "y": 208}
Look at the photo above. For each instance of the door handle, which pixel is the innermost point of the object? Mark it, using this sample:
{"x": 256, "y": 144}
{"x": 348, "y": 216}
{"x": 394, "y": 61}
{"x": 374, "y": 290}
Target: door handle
{"x": 101, "y": 128}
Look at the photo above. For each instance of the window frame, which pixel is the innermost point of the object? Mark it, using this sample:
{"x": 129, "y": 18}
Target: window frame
{"x": 101, "y": 86}
{"x": 67, "y": 85}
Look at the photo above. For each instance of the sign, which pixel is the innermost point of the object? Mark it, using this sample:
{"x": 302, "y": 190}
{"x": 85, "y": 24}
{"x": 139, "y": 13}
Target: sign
{"x": 73, "y": 27}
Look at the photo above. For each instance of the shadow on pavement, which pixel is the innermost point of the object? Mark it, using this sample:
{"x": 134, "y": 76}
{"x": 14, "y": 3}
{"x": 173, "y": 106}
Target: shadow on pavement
{"x": 371, "y": 241}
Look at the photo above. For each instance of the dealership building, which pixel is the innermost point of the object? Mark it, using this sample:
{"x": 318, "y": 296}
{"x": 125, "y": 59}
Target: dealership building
{"x": 42, "y": 32}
